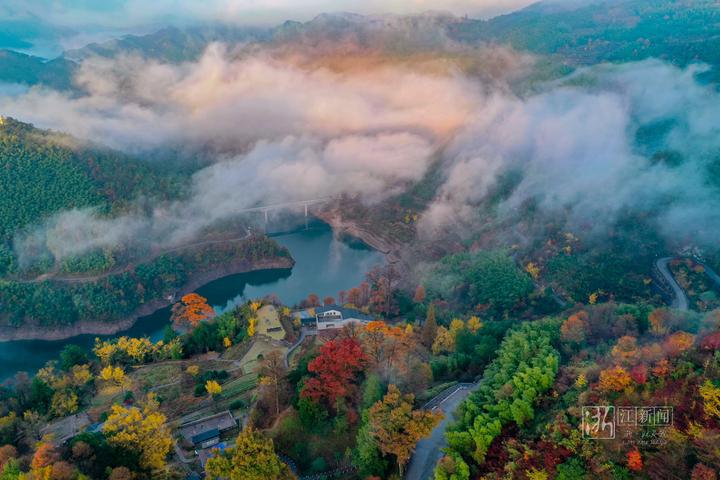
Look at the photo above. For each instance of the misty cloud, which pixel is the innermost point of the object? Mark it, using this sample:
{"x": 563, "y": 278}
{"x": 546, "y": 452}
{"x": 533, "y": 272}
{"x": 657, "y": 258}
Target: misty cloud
{"x": 295, "y": 168}
{"x": 283, "y": 128}
{"x": 138, "y": 105}
{"x": 577, "y": 150}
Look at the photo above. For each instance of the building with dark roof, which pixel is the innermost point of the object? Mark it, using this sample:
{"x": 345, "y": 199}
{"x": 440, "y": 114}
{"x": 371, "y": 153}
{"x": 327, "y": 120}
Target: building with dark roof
{"x": 334, "y": 316}
{"x": 205, "y": 432}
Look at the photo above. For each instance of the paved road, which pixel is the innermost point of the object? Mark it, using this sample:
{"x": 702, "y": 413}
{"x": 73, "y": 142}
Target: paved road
{"x": 303, "y": 333}
{"x": 680, "y": 302}
{"x": 428, "y": 451}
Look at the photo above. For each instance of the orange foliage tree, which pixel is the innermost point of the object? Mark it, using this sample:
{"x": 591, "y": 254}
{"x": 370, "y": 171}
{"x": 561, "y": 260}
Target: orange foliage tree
{"x": 678, "y": 342}
{"x": 659, "y": 319}
{"x": 634, "y": 460}
{"x": 575, "y": 328}
{"x": 614, "y": 379}
{"x": 397, "y": 428}
{"x": 625, "y": 350}
{"x": 383, "y": 343}
{"x": 6, "y": 453}
{"x": 703, "y": 472}
{"x": 420, "y": 294}
{"x": 191, "y": 310}
{"x": 313, "y": 300}
{"x": 661, "y": 368}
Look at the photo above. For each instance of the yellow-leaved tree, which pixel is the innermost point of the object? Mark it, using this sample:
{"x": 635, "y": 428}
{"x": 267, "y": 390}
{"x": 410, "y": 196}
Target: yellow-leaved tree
{"x": 64, "y": 402}
{"x": 444, "y": 341}
{"x": 252, "y": 458}
{"x": 711, "y": 398}
{"x": 474, "y": 324}
{"x": 143, "y": 432}
{"x": 396, "y": 427}
{"x": 213, "y": 388}
{"x": 251, "y": 326}
{"x": 112, "y": 374}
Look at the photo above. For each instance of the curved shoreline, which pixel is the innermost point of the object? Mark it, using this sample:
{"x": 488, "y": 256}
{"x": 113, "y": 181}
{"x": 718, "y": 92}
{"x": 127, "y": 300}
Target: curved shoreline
{"x": 31, "y": 332}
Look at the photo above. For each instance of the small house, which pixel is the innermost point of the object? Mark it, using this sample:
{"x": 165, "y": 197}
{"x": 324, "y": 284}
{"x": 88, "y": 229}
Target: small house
{"x": 205, "y": 432}
{"x": 334, "y": 316}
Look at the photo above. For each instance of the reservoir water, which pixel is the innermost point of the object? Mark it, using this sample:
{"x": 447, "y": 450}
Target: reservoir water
{"x": 324, "y": 266}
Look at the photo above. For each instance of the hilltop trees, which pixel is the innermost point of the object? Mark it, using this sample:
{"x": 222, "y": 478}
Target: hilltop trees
{"x": 525, "y": 367}
{"x": 487, "y": 280}
{"x": 711, "y": 399}
{"x": 252, "y": 458}
{"x": 396, "y": 427}
{"x": 130, "y": 350}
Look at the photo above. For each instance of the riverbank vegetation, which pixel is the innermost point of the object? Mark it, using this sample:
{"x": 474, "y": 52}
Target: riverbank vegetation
{"x": 118, "y": 296}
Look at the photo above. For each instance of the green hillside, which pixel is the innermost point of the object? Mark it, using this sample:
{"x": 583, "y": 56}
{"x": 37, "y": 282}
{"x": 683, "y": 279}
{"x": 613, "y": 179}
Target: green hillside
{"x": 42, "y": 173}
{"x": 679, "y": 32}
{"x": 29, "y": 70}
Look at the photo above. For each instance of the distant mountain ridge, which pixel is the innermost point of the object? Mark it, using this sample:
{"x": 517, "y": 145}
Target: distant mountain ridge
{"x": 171, "y": 44}
{"x": 29, "y": 70}
{"x": 580, "y": 33}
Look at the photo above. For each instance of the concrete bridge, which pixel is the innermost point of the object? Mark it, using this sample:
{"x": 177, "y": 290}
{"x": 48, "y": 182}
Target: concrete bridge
{"x": 304, "y": 204}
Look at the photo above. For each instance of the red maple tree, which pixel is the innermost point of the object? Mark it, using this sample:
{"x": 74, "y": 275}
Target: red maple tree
{"x": 335, "y": 371}
{"x": 634, "y": 460}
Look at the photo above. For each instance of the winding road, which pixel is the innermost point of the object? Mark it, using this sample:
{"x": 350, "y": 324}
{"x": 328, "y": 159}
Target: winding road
{"x": 429, "y": 450}
{"x": 680, "y": 300}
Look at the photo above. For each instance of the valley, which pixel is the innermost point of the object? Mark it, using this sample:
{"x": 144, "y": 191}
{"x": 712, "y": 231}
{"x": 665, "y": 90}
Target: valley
{"x": 447, "y": 240}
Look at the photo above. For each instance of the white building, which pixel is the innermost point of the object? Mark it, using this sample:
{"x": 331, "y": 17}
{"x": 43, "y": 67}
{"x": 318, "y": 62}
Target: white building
{"x": 334, "y": 316}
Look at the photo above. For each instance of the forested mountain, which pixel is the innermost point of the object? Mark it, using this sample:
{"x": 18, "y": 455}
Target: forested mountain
{"x": 29, "y": 70}
{"x": 532, "y": 202}
{"x": 42, "y": 173}
{"x": 576, "y": 33}
{"x": 615, "y": 31}
{"x": 170, "y": 44}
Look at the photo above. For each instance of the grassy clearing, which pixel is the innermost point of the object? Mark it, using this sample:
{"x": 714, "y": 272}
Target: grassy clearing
{"x": 269, "y": 323}
{"x": 251, "y": 360}
{"x": 154, "y": 375}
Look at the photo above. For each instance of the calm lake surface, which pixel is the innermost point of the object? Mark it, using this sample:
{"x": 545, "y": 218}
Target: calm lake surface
{"x": 324, "y": 266}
